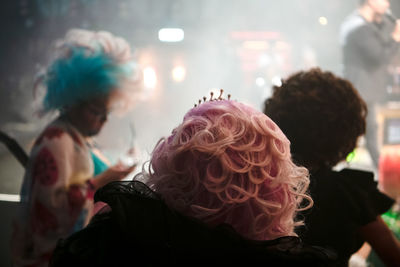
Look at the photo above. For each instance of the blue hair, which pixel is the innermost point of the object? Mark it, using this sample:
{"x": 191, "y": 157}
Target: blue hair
{"x": 81, "y": 76}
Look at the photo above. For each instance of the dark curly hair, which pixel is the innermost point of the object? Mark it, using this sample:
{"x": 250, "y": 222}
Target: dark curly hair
{"x": 321, "y": 114}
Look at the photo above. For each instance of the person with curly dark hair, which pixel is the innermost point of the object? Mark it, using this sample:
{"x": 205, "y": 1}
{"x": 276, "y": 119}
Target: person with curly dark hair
{"x": 323, "y": 116}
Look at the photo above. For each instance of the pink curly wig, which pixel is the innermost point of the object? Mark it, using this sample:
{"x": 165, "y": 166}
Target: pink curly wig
{"x": 228, "y": 163}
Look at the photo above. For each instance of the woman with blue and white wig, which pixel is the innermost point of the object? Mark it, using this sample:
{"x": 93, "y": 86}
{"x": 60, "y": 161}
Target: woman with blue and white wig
{"x": 92, "y": 74}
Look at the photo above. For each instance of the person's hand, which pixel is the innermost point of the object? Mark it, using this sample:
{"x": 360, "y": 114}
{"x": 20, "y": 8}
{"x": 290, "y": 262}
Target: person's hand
{"x": 113, "y": 173}
{"x": 396, "y": 31}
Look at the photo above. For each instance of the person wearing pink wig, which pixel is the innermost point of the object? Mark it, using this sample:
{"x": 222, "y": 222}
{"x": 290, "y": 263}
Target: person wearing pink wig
{"x": 228, "y": 163}
{"x": 221, "y": 189}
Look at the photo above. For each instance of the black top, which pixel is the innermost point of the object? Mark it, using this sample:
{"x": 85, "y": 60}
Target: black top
{"x": 141, "y": 230}
{"x": 368, "y": 48}
{"x": 343, "y": 202}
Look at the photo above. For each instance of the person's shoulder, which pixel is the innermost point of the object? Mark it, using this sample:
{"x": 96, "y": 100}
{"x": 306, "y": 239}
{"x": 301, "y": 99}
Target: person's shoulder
{"x": 344, "y": 186}
{"x": 130, "y": 192}
{"x": 352, "y": 180}
{"x": 357, "y": 175}
{"x": 366, "y": 199}
{"x": 351, "y": 25}
{"x": 326, "y": 178}
{"x": 354, "y": 19}
{"x": 338, "y": 176}
{"x": 359, "y": 180}
{"x": 52, "y": 131}
{"x": 59, "y": 134}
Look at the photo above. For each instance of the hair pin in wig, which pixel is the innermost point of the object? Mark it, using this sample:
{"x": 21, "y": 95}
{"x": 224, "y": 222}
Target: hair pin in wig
{"x": 220, "y": 97}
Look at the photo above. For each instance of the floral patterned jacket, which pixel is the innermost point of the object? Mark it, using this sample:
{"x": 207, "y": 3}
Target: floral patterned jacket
{"x": 56, "y": 195}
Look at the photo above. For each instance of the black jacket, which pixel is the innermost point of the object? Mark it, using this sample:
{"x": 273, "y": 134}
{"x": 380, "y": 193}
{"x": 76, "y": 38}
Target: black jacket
{"x": 142, "y": 231}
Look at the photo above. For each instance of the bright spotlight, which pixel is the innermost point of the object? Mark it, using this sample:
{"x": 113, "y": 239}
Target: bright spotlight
{"x": 260, "y": 81}
{"x": 171, "y": 35}
{"x": 178, "y": 73}
{"x": 149, "y": 77}
{"x": 323, "y": 21}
